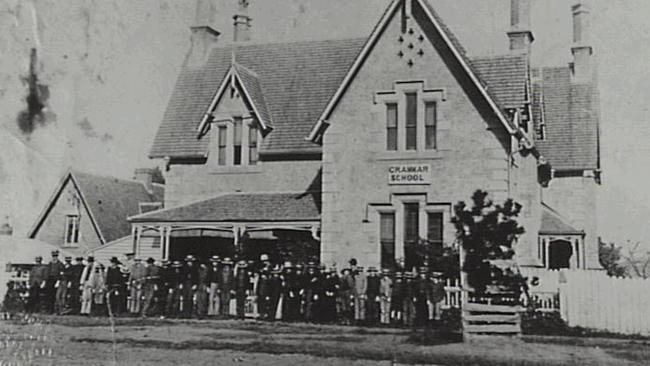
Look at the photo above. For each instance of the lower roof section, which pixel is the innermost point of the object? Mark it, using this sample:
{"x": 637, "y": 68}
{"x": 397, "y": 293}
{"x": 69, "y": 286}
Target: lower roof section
{"x": 554, "y": 224}
{"x": 242, "y": 207}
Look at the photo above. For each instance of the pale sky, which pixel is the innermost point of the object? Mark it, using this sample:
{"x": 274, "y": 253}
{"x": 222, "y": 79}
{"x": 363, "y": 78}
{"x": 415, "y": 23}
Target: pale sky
{"x": 111, "y": 65}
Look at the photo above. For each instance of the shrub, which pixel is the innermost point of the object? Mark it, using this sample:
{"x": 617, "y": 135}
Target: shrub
{"x": 543, "y": 323}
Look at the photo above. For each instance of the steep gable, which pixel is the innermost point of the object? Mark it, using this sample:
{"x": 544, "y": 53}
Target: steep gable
{"x": 105, "y": 202}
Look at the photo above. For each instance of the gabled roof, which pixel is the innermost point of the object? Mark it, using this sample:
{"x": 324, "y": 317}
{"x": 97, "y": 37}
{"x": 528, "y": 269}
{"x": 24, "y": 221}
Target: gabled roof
{"x": 296, "y": 80}
{"x": 247, "y": 81}
{"x": 554, "y": 224}
{"x": 571, "y": 116}
{"x": 454, "y": 46}
{"x": 243, "y": 207}
{"x": 108, "y": 200}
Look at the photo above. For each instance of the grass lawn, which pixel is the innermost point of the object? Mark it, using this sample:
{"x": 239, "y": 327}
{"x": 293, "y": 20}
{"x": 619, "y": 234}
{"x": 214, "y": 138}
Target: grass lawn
{"x": 75, "y": 340}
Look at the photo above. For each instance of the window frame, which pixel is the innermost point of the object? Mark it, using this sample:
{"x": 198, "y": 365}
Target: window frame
{"x": 387, "y": 242}
{"x": 72, "y": 223}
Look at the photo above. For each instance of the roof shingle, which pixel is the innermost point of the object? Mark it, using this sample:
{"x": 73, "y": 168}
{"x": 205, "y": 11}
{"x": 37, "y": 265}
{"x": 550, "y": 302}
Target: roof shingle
{"x": 554, "y": 224}
{"x": 248, "y": 207}
{"x": 570, "y": 114}
{"x": 112, "y": 200}
{"x": 296, "y": 80}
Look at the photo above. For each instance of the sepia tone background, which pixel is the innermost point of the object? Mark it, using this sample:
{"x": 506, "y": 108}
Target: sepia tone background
{"x": 105, "y": 70}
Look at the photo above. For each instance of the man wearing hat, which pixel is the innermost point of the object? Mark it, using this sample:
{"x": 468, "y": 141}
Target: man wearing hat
{"x": 60, "y": 303}
{"x": 275, "y": 308}
{"x": 372, "y": 296}
{"x": 360, "y": 287}
{"x": 225, "y": 286}
{"x": 421, "y": 289}
{"x": 151, "y": 285}
{"x": 408, "y": 299}
{"x": 114, "y": 283}
{"x": 55, "y": 274}
{"x": 37, "y": 282}
{"x": 291, "y": 294}
{"x": 242, "y": 282}
{"x": 174, "y": 290}
{"x": 385, "y": 295}
{"x": 263, "y": 293}
{"x": 190, "y": 281}
{"x": 312, "y": 292}
{"x": 327, "y": 296}
{"x": 213, "y": 280}
{"x": 137, "y": 273}
{"x": 346, "y": 295}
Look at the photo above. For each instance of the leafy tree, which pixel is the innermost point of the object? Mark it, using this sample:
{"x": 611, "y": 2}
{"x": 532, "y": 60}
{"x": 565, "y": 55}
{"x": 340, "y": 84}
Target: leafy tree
{"x": 487, "y": 233}
{"x": 610, "y": 258}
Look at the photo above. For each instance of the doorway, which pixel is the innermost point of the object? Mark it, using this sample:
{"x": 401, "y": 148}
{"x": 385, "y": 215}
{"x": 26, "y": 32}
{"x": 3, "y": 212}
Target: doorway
{"x": 559, "y": 254}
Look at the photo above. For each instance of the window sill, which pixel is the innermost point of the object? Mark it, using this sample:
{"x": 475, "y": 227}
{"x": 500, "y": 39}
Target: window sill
{"x": 70, "y": 245}
{"x": 240, "y": 169}
{"x": 410, "y": 155}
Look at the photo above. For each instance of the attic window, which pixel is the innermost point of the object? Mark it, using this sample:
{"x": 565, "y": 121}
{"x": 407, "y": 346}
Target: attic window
{"x": 71, "y": 230}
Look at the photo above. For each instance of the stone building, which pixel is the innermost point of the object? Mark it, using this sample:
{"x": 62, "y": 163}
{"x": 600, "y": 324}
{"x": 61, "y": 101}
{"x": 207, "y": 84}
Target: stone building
{"x": 362, "y": 146}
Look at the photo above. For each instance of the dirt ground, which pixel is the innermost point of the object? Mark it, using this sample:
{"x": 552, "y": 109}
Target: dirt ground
{"x": 89, "y": 341}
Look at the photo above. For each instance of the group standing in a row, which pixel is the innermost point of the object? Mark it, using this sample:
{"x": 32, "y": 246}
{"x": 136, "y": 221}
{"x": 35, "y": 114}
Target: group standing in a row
{"x": 223, "y": 287}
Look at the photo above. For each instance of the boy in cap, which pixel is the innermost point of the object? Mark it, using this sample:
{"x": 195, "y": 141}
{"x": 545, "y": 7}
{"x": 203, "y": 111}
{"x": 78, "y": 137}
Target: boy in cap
{"x": 436, "y": 295}
{"x": 263, "y": 293}
{"x": 372, "y": 296}
{"x": 37, "y": 281}
{"x": 55, "y": 274}
{"x": 60, "y": 303}
{"x": 408, "y": 299}
{"x": 225, "y": 286}
{"x": 421, "y": 286}
{"x": 385, "y": 295}
{"x": 137, "y": 273}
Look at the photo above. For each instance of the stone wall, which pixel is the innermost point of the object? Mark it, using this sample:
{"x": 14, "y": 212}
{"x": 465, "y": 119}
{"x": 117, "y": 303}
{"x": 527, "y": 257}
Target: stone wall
{"x": 472, "y": 150}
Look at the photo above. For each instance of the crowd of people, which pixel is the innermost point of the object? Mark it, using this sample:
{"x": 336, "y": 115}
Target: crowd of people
{"x": 222, "y": 287}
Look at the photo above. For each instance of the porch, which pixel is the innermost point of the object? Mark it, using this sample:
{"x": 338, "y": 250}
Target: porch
{"x": 242, "y": 225}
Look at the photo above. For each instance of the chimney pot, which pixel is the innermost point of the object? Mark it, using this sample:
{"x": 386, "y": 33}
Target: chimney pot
{"x": 242, "y": 23}
{"x": 520, "y": 34}
{"x": 582, "y": 50}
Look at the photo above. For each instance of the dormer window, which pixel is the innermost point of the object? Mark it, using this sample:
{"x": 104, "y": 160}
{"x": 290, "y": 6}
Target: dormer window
{"x": 71, "y": 230}
{"x": 236, "y": 142}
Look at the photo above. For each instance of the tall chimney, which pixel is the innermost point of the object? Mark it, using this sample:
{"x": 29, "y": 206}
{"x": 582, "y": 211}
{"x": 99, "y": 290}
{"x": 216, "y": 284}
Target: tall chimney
{"x": 242, "y": 31}
{"x": 582, "y": 49}
{"x": 204, "y": 37}
{"x": 145, "y": 176}
{"x": 520, "y": 34}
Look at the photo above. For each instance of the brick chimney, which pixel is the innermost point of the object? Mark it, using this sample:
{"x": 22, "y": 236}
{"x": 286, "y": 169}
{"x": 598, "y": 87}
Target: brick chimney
{"x": 203, "y": 38}
{"x": 582, "y": 50}
{"x": 145, "y": 176}
{"x": 242, "y": 31}
{"x": 520, "y": 34}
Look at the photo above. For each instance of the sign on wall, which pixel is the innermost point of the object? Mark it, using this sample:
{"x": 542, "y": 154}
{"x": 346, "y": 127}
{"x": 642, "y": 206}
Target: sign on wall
{"x": 409, "y": 174}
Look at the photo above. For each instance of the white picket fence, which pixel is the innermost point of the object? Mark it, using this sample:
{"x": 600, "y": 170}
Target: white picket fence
{"x": 591, "y": 299}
